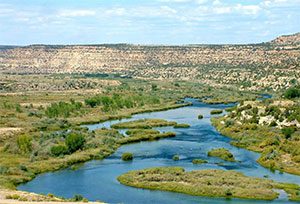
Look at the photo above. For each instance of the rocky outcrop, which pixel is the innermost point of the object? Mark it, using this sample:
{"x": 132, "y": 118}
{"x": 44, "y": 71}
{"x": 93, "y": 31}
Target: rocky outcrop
{"x": 251, "y": 67}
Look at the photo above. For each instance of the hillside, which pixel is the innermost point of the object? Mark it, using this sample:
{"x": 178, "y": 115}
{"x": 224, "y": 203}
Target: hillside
{"x": 287, "y": 39}
{"x": 252, "y": 67}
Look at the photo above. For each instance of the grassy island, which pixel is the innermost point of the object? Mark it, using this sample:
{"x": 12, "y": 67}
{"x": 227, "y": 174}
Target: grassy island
{"x": 212, "y": 183}
{"x": 182, "y": 125}
{"x": 215, "y": 112}
{"x": 199, "y": 161}
{"x": 222, "y": 153}
{"x": 127, "y": 156}
{"x": 144, "y": 123}
{"x": 200, "y": 117}
{"x": 145, "y": 137}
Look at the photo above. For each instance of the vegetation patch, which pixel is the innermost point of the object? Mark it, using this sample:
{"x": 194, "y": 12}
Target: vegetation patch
{"x": 182, "y": 125}
{"x": 144, "y": 123}
{"x": 199, "y": 161}
{"x": 176, "y": 157}
{"x": 200, "y": 116}
{"x": 212, "y": 183}
{"x": 268, "y": 127}
{"x": 139, "y": 137}
{"x": 215, "y": 112}
{"x": 222, "y": 153}
{"x": 127, "y": 156}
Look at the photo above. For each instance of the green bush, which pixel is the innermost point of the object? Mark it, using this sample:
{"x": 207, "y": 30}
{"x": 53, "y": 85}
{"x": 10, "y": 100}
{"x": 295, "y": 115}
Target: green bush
{"x": 74, "y": 142}
{"x": 200, "y": 116}
{"x": 59, "y": 150}
{"x": 116, "y": 102}
{"x": 24, "y": 143}
{"x": 127, "y": 156}
{"x": 62, "y": 109}
{"x": 176, "y": 157}
{"x": 18, "y": 108}
{"x": 287, "y": 132}
{"x": 77, "y": 197}
{"x": 292, "y": 93}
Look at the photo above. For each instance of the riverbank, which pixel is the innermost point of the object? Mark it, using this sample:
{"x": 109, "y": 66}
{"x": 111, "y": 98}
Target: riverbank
{"x": 269, "y": 129}
{"x": 21, "y": 197}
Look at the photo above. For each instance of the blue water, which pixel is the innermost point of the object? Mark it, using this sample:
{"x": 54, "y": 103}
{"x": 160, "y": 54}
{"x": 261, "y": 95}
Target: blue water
{"x": 96, "y": 180}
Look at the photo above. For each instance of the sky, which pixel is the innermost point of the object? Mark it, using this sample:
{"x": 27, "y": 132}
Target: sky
{"x": 176, "y": 22}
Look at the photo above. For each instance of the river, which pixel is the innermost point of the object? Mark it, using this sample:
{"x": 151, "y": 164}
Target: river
{"x": 96, "y": 180}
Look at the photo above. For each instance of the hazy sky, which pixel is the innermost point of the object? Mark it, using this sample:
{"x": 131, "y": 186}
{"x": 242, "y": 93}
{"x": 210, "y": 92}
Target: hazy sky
{"x": 146, "y": 22}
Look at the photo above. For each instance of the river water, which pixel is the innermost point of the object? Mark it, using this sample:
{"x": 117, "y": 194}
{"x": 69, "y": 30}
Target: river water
{"x": 96, "y": 180}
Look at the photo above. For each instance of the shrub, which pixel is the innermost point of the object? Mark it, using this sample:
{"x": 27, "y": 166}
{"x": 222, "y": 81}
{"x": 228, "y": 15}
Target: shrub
{"x": 287, "y": 132}
{"x": 74, "y": 142}
{"x": 273, "y": 124}
{"x": 127, "y": 156}
{"x": 62, "y": 109}
{"x": 24, "y": 143}
{"x": 229, "y": 123}
{"x": 228, "y": 192}
{"x": 4, "y": 169}
{"x": 59, "y": 150}
{"x": 13, "y": 197}
{"x": 23, "y": 167}
{"x": 176, "y": 157}
{"x": 77, "y": 197}
{"x": 18, "y": 108}
{"x": 292, "y": 93}
{"x": 200, "y": 116}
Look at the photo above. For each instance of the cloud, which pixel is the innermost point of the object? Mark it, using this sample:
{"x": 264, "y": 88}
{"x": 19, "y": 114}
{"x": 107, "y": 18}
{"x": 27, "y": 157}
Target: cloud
{"x": 76, "y": 13}
{"x": 157, "y": 18}
{"x": 248, "y": 9}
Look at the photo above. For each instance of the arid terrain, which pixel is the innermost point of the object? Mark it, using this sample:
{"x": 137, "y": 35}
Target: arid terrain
{"x": 269, "y": 66}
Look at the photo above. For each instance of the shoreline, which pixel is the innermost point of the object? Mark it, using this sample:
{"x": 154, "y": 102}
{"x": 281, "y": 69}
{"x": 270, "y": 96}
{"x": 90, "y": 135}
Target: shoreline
{"x": 92, "y": 155}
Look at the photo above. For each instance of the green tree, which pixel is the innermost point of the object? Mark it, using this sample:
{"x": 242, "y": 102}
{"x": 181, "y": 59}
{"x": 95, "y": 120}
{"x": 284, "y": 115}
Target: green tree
{"x": 292, "y": 93}
{"x": 74, "y": 142}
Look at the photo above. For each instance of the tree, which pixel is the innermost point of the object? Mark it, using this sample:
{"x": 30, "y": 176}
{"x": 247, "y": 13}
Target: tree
{"x": 292, "y": 93}
{"x": 74, "y": 142}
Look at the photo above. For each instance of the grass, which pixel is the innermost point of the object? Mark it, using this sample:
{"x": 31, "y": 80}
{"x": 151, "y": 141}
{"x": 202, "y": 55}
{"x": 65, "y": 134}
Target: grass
{"x": 143, "y": 123}
{"x": 199, "y": 161}
{"x": 211, "y": 183}
{"x": 127, "y": 156}
{"x": 135, "y": 132}
{"x": 145, "y": 137}
{"x": 182, "y": 125}
{"x": 222, "y": 153}
{"x": 215, "y": 112}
